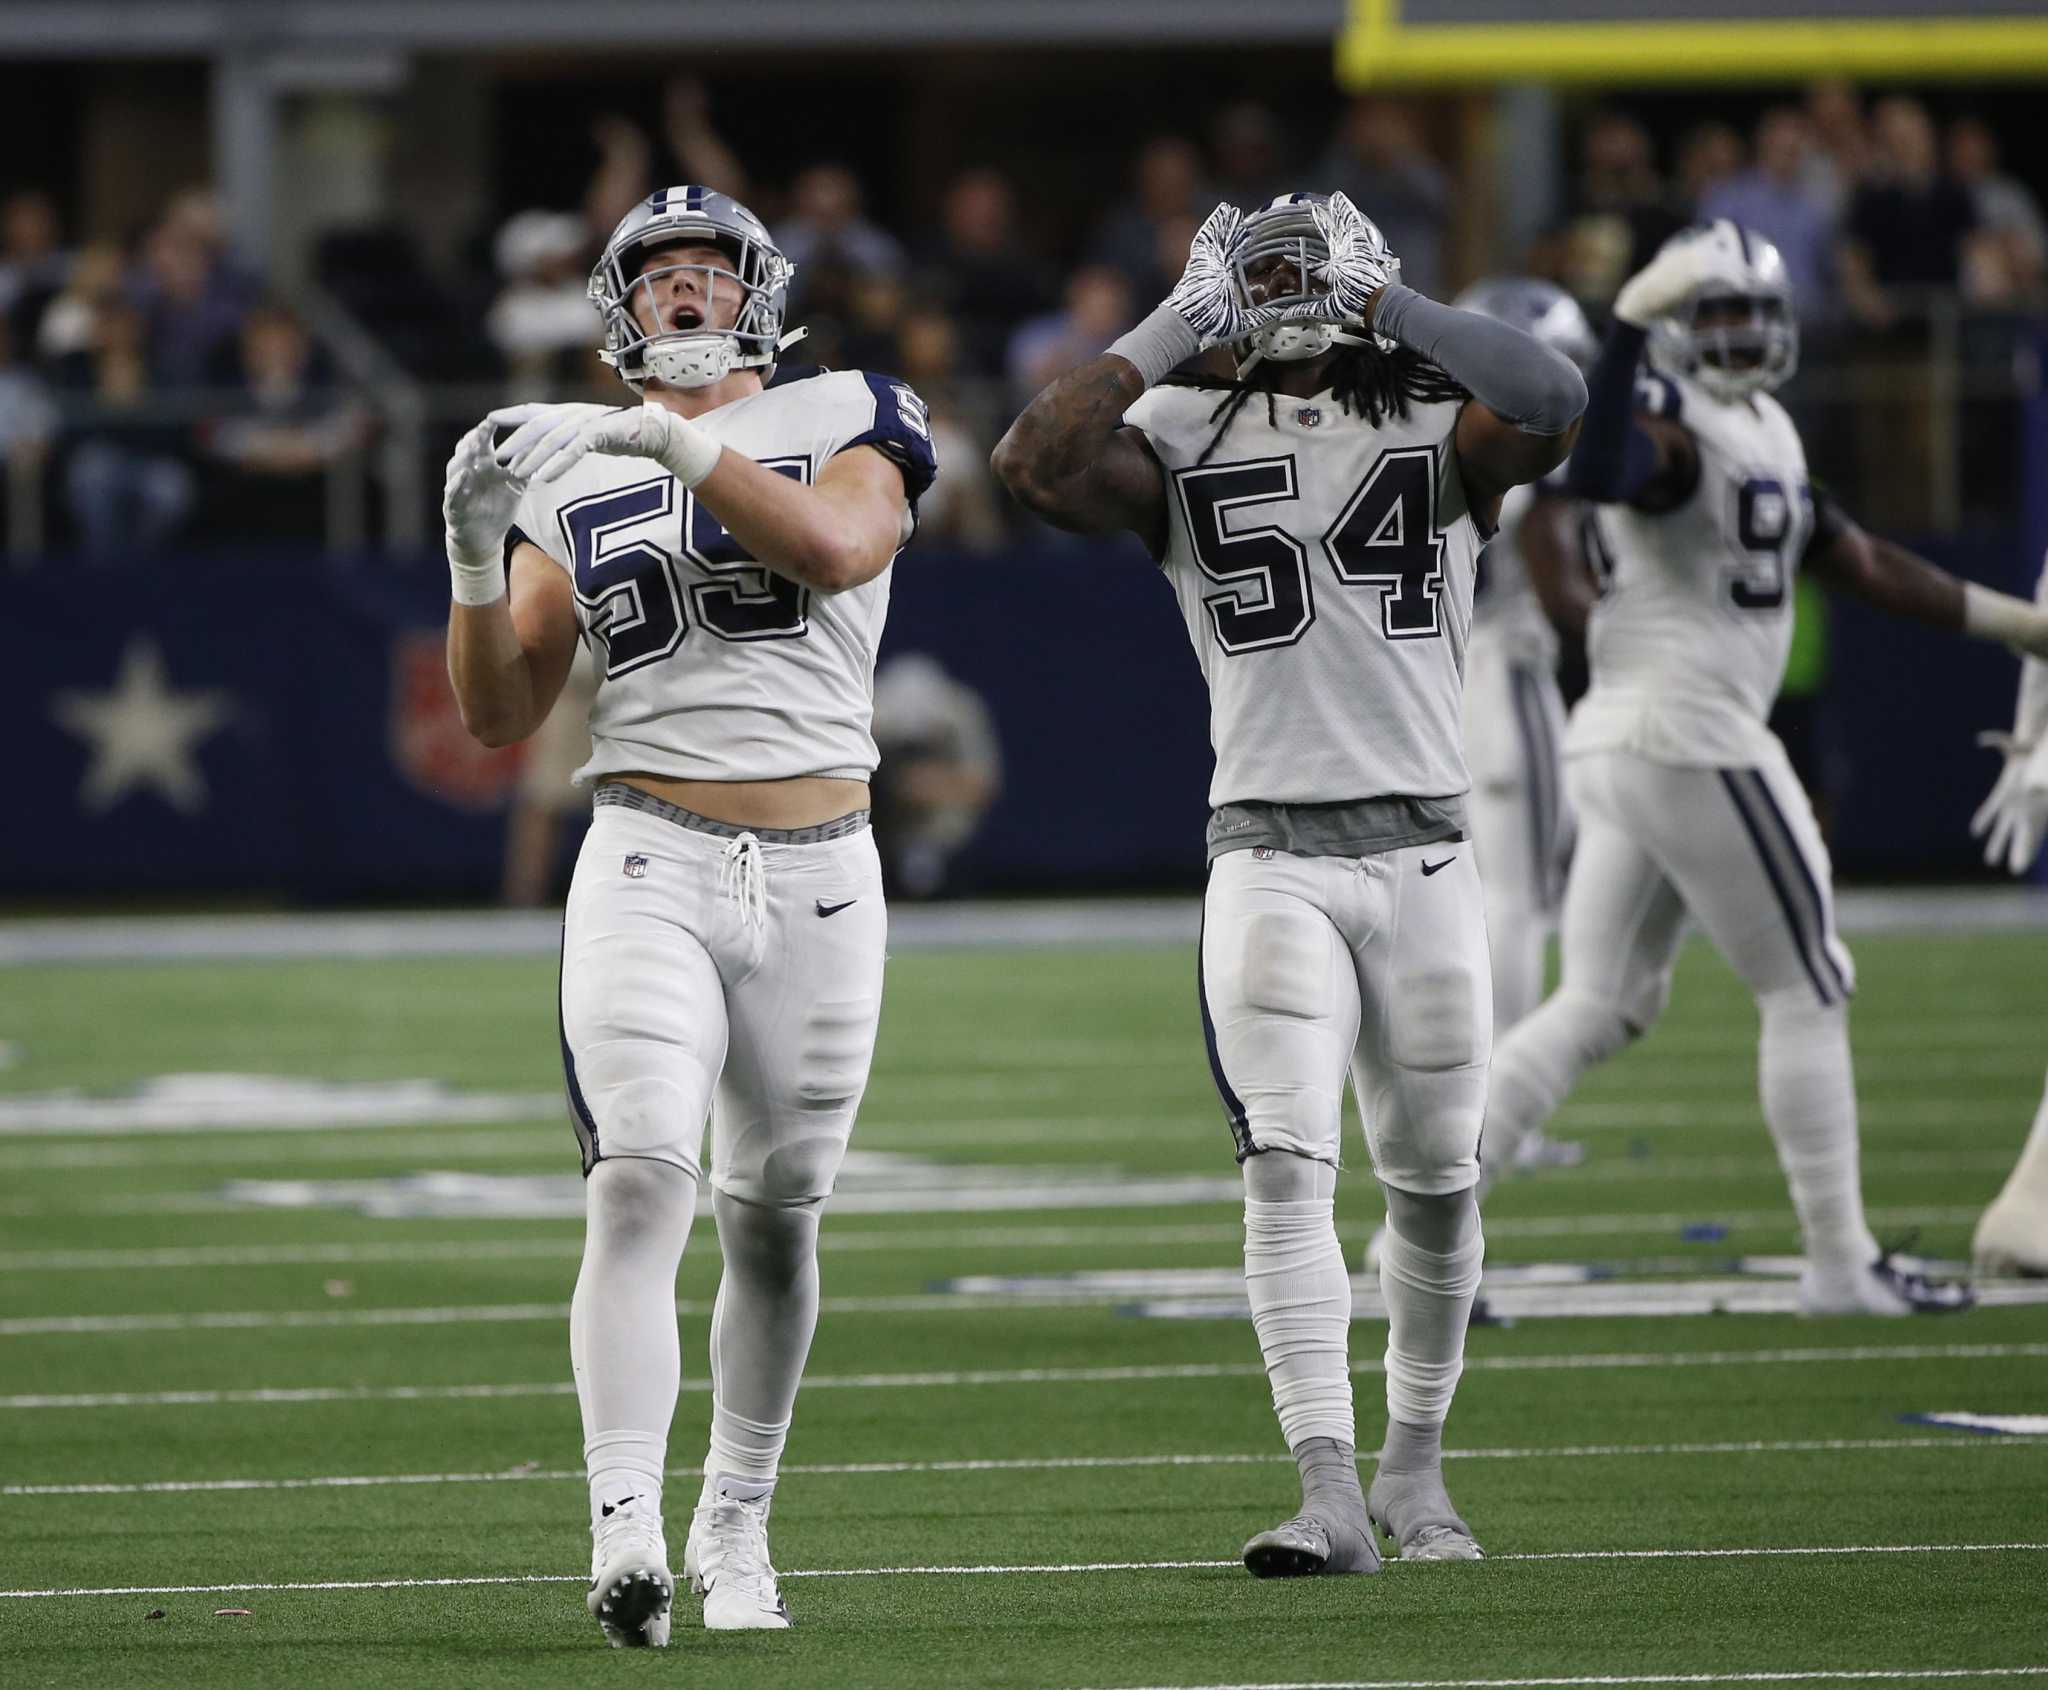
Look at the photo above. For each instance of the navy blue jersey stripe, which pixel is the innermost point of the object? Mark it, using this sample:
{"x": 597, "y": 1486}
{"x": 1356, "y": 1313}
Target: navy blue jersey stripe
{"x": 1775, "y": 815}
{"x": 1753, "y": 827}
{"x": 1233, "y": 1105}
{"x": 579, "y": 1112}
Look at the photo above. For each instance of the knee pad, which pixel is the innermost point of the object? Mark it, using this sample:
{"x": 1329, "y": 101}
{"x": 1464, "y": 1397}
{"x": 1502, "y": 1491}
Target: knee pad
{"x": 1796, "y": 1012}
{"x": 634, "y": 1197}
{"x": 1286, "y": 1176}
{"x": 795, "y": 1172}
{"x": 771, "y": 1243}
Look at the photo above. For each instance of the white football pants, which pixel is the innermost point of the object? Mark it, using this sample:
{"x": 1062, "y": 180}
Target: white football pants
{"x": 1521, "y": 825}
{"x": 1314, "y": 965}
{"x": 694, "y": 980}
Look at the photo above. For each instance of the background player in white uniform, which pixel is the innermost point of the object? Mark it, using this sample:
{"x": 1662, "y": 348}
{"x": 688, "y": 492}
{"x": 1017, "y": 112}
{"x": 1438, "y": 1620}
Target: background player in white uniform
{"x": 2012, "y": 1236}
{"x": 1318, "y": 518}
{"x": 725, "y": 549}
{"x": 1686, "y": 802}
{"x": 1529, "y": 577}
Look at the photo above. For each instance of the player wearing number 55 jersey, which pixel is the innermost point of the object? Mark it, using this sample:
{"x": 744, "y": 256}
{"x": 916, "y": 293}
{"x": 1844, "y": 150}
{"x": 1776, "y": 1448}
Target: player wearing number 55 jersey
{"x": 724, "y": 548}
{"x": 1318, "y": 518}
{"x": 1686, "y": 803}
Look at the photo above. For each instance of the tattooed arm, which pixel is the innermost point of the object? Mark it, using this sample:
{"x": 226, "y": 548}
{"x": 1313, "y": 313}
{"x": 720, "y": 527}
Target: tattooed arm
{"x": 1070, "y": 459}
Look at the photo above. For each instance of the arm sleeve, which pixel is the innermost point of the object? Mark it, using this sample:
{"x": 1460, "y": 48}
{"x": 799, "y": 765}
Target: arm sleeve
{"x": 1614, "y": 459}
{"x": 902, "y": 432}
{"x": 1511, "y": 373}
{"x": 1830, "y": 521}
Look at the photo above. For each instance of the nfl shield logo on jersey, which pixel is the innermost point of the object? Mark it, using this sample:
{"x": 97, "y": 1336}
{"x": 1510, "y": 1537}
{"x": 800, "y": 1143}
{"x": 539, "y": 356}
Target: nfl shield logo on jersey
{"x": 636, "y": 866}
{"x": 1309, "y": 416}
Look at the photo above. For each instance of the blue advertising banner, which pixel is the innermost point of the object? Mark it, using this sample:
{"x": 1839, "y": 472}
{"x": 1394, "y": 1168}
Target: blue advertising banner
{"x": 281, "y": 723}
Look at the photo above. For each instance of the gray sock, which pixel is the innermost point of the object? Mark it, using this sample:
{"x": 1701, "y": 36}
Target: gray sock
{"x": 1411, "y": 1449}
{"x": 1329, "y": 1475}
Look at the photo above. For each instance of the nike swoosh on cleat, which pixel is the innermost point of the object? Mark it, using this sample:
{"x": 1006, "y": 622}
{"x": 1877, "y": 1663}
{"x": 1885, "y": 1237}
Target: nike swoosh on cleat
{"x": 833, "y": 909}
{"x": 1431, "y": 868}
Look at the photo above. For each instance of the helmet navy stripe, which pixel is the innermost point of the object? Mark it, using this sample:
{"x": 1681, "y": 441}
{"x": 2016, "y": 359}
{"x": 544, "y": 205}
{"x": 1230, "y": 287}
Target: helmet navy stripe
{"x": 661, "y": 202}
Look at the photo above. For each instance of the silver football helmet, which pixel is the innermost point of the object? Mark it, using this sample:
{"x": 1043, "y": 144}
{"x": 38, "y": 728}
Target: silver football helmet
{"x": 1536, "y": 307}
{"x": 1735, "y": 333}
{"x": 1286, "y": 228}
{"x": 691, "y": 355}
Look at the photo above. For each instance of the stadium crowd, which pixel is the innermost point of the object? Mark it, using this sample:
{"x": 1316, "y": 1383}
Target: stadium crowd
{"x": 162, "y": 393}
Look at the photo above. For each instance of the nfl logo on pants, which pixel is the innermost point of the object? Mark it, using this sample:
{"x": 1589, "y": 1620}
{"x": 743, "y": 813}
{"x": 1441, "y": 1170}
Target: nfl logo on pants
{"x": 636, "y": 866}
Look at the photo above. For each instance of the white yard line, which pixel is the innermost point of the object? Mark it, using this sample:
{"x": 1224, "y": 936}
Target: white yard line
{"x": 1570, "y": 1363}
{"x": 1825, "y": 1675}
{"x": 1037, "y": 1568}
{"x": 1035, "y": 1464}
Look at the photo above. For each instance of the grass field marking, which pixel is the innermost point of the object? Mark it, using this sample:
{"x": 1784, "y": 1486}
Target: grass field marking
{"x": 1824, "y": 1675}
{"x": 1858, "y": 1353}
{"x": 1028, "y": 1464}
{"x": 1039, "y": 1569}
{"x": 125, "y": 1259}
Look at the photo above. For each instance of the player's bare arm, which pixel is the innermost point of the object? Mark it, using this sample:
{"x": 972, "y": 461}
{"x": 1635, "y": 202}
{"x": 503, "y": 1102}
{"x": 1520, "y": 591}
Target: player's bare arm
{"x": 1556, "y": 563}
{"x": 509, "y": 648}
{"x": 1852, "y": 561}
{"x": 1070, "y": 460}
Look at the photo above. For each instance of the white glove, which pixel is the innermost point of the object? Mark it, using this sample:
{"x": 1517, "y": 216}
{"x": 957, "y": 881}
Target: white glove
{"x": 477, "y": 506}
{"x": 2012, "y": 821}
{"x": 1206, "y": 297}
{"x": 549, "y": 440}
{"x": 1663, "y": 284}
{"x": 1359, "y": 265}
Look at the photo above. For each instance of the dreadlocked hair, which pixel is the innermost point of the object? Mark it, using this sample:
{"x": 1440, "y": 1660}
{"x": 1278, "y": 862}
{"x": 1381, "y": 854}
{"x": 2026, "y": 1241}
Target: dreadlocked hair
{"x": 1366, "y": 381}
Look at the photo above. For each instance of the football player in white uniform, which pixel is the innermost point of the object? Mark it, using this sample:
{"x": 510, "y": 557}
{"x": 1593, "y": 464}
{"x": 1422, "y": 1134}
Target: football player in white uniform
{"x": 724, "y": 547}
{"x": 1531, "y": 583}
{"x": 2012, "y": 1236}
{"x": 1686, "y": 802}
{"x": 1319, "y": 518}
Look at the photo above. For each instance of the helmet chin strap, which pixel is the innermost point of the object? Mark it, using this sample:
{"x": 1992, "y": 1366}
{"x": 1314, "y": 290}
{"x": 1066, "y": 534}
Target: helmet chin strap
{"x": 1340, "y": 335}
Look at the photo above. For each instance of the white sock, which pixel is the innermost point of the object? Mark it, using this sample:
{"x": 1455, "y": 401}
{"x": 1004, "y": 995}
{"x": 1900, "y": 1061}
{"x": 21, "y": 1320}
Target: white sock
{"x": 2029, "y": 1177}
{"x": 761, "y": 1328}
{"x": 1300, "y": 1294}
{"x": 623, "y": 1339}
{"x": 1429, "y": 1273}
{"x": 1809, "y": 1099}
{"x": 1538, "y": 1062}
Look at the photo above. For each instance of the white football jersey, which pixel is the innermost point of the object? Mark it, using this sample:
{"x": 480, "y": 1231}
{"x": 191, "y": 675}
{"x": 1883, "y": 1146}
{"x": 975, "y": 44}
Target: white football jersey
{"x": 1687, "y": 645}
{"x": 711, "y": 667}
{"x": 1324, "y": 568}
{"x": 1507, "y": 611}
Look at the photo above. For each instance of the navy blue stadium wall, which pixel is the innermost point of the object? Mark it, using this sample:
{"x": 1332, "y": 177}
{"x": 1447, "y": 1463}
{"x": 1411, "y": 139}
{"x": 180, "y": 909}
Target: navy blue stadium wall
{"x": 281, "y": 724}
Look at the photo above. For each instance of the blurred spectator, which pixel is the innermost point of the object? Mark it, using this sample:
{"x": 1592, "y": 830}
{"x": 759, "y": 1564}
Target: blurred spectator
{"x": 289, "y": 423}
{"x": 827, "y": 223}
{"x": 27, "y": 418}
{"x": 33, "y": 264}
{"x": 1839, "y": 158}
{"x": 941, "y": 768}
{"x": 1097, "y": 310}
{"x": 1907, "y": 225}
{"x": 544, "y": 313}
{"x": 1250, "y": 168}
{"x": 70, "y": 324}
{"x": 626, "y": 162}
{"x": 962, "y": 505}
{"x": 127, "y": 484}
{"x": 1167, "y": 186}
{"x": 989, "y": 278}
{"x": 191, "y": 293}
{"x": 1709, "y": 155}
{"x": 1776, "y": 198}
{"x": 624, "y": 175}
{"x": 2010, "y": 248}
{"x": 700, "y": 153}
{"x": 1377, "y": 157}
{"x": 1619, "y": 215}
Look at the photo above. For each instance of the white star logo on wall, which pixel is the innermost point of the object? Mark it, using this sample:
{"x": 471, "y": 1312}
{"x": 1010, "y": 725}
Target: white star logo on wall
{"x": 142, "y": 733}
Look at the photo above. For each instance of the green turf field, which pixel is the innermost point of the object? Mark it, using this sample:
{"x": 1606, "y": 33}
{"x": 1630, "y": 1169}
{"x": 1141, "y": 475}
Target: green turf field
{"x": 283, "y": 1366}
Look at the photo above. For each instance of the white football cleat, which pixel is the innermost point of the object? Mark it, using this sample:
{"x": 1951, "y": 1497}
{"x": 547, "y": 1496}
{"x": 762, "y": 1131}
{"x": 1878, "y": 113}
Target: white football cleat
{"x": 631, "y": 1588}
{"x": 1891, "y": 1285}
{"x": 726, "y": 1562}
{"x": 2012, "y": 1236}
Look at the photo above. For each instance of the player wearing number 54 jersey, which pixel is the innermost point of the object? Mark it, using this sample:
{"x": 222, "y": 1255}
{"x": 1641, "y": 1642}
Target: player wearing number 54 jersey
{"x": 1686, "y": 803}
{"x": 725, "y": 549}
{"x": 1318, "y": 517}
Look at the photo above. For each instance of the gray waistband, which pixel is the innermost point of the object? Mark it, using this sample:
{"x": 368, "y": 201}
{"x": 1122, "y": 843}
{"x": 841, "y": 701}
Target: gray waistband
{"x": 632, "y": 798}
{"x": 1361, "y": 827}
